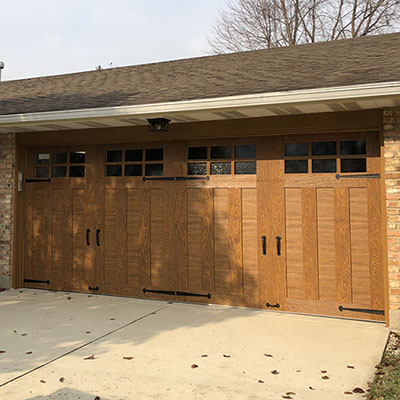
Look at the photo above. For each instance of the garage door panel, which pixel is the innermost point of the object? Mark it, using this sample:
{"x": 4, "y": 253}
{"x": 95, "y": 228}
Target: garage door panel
{"x": 200, "y": 244}
{"x": 326, "y": 244}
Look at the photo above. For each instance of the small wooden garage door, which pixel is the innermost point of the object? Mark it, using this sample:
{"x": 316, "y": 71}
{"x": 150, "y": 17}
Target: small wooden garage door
{"x": 290, "y": 222}
{"x": 325, "y": 241}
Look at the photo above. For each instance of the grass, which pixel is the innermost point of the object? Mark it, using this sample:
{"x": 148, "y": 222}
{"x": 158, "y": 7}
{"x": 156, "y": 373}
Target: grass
{"x": 386, "y": 385}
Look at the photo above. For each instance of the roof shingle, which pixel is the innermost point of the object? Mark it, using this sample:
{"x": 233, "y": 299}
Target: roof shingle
{"x": 372, "y": 59}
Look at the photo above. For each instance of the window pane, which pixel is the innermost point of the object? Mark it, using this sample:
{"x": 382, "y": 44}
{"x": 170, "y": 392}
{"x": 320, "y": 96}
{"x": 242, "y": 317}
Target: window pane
{"x": 154, "y": 169}
{"x": 133, "y": 170}
{"x": 133, "y": 155}
{"x": 77, "y": 157}
{"x": 220, "y": 168}
{"x": 354, "y": 165}
{"x": 197, "y": 169}
{"x": 296, "y": 166}
{"x": 113, "y": 170}
{"x": 296, "y": 149}
{"x": 353, "y": 147}
{"x": 323, "y": 166}
{"x": 247, "y": 151}
{"x": 154, "y": 155}
{"x": 59, "y": 158}
{"x": 77, "y": 171}
{"x": 324, "y": 148}
{"x": 42, "y": 158}
{"x": 59, "y": 172}
{"x": 41, "y": 172}
{"x": 221, "y": 152}
{"x": 245, "y": 168}
{"x": 197, "y": 153}
{"x": 114, "y": 156}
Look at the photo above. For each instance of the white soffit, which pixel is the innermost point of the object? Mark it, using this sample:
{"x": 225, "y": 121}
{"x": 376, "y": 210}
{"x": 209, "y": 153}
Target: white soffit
{"x": 334, "y": 99}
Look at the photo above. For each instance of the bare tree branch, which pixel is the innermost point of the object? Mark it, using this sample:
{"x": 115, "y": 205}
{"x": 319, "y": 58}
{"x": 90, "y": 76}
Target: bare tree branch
{"x": 257, "y": 24}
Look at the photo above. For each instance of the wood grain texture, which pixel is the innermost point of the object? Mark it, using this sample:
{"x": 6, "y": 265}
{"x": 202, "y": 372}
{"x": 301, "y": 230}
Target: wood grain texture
{"x": 326, "y": 244}
{"x": 310, "y": 244}
{"x": 249, "y": 238}
{"x": 342, "y": 245}
{"x": 360, "y": 267}
{"x": 294, "y": 244}
{"x": 235, "y": 239}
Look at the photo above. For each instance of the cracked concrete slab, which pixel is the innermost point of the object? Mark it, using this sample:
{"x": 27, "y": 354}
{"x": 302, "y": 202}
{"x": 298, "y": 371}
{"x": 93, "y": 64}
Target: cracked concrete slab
{"x": 181, "y": 351}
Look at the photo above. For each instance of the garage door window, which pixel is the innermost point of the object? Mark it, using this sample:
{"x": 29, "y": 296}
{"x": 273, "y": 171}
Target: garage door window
{"x": 60, "y": 164}
{"x": 222, "y": 160}
{"x": 134, "y": 162}
{"x": 325, "y": 157}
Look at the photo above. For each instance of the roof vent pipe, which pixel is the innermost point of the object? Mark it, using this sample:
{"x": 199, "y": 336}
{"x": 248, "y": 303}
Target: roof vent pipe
{"x": 1, "y": 67}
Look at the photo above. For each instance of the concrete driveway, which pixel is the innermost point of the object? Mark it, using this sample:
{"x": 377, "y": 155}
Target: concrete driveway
{"x": 75, "y": 346}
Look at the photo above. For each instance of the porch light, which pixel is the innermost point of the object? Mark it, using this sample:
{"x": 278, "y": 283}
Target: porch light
{"x": 158, "y": 124}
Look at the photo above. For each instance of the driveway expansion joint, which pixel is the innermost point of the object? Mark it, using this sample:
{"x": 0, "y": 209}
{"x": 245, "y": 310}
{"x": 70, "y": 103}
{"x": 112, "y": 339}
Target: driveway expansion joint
{"x": 154, "y": 312}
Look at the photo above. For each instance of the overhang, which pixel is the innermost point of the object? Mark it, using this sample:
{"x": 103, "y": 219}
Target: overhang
{"x": 331, "y": 99}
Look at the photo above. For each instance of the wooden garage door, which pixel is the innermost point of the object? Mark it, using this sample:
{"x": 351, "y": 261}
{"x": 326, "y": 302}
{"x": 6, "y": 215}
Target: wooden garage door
{"x": 325, "y": 248}
{"x": 290, "y": 222}
{"x": 164, "y": 220}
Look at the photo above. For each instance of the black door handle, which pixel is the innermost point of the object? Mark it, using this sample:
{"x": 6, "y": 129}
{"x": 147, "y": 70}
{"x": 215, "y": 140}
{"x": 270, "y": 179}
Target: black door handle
{"x": 278, "y": 245}
{"x": 88, "y": 237}
{"x": 264, "y": 245}
{"x": 98, "y": 237}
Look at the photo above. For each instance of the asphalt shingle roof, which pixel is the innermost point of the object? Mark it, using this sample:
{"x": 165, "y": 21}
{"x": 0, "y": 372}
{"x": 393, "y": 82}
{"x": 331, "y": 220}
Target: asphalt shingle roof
{"x": 372, "y": 59}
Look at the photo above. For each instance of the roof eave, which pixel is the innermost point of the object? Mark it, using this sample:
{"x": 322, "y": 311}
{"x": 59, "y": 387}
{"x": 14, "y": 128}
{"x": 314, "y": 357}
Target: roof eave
{"x": 324, "y": 95}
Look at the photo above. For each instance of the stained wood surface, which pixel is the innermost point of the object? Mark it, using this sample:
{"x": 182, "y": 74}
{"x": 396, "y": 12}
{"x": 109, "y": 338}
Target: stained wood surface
{"x": 205, "y": 236}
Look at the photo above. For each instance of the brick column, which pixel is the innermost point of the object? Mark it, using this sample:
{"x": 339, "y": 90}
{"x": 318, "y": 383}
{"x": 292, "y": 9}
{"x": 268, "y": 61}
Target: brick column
{"x": 391, "y": 127}
{"x": 7, "y": 174}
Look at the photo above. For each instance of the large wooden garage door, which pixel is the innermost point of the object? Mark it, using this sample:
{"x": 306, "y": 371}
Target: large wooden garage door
{"x": 325, "y": 240}
{"x": 285, "y": 223}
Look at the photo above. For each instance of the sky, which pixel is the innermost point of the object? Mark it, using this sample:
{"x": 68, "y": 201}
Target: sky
{"x": 52, "y": 37}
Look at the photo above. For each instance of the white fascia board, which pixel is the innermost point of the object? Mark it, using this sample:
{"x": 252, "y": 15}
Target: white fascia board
{"x": 325, "y": 95}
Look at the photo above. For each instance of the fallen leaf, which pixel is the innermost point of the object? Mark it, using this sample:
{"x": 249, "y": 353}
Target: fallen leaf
{"x": 195, "y": 366}
{"x": 90, "y": 357}
{"x": 28, "y": 352}
{"x": 358, "y": 390}
{"x": 348, "y": 392}
{"x": 275, "y": 372}
{"x": 350, "y": 366}
{"x": 112, "y": 319}
{"x": 260, "y": 381}
{"x": 311, "y": 388}
{"x": 2, "y": 351}
{"x": 204, "y": 355}
{"x": 128, "y": 358}
{"x": 227, "y": 356}
{"x": 15, "y": 331}
{"x": 268, "y": 355}
{"x": 62, "y": 380}
{"x": 97, "y": 398}
{"x": 24, "y": 334}
{"x": 290, "y": 394}
{"x": 325, "y": 377}
{"x": 90, "y": 295}
{"x": 42, "y": 381}
{"x": 287, "y": 397}
{"x": 298, "y": 370}
{"x": 69, "y": 298}
{"x": 323, "y": 371}
{"x": 88, "y": 332}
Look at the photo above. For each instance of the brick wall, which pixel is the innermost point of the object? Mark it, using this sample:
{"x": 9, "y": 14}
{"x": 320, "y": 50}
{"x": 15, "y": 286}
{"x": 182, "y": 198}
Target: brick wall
{"x": 7, "y": 173}
{"x": 391, "y": 126}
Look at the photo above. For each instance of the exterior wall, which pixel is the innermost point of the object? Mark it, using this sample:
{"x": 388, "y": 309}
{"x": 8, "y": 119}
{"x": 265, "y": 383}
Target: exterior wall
{"x": 391, "y": 128}
{"x": 7, "y": 175}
